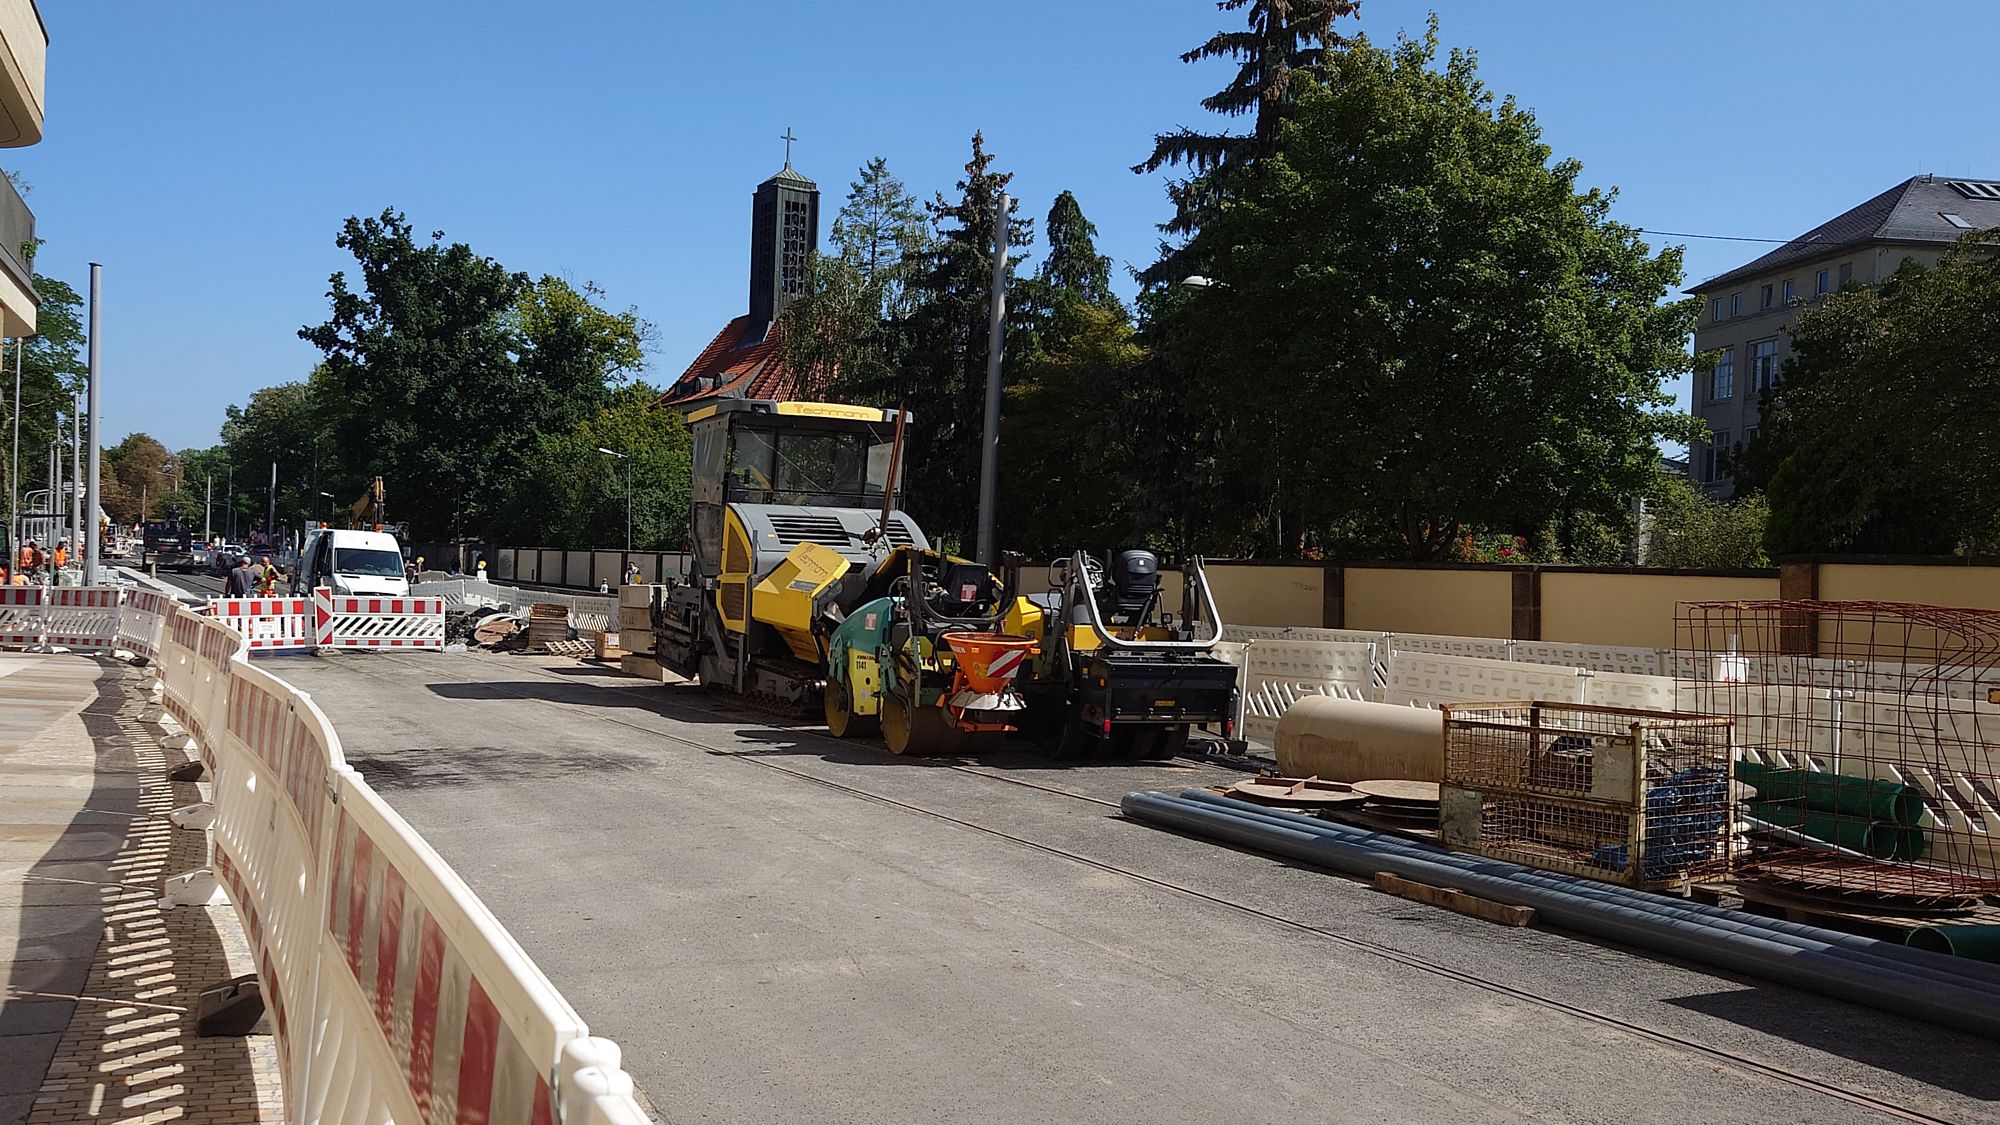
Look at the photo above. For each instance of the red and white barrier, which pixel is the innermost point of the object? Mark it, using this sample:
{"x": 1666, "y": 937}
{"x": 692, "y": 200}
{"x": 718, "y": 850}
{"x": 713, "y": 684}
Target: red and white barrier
{"x": 268, "y": 624}
{"x": 22, "y": 616}
{"x": 141, "y": 620}
{"x": 394, "y": 993}
{"x": 341, "y": 621}
{"x": 82, "y": 616}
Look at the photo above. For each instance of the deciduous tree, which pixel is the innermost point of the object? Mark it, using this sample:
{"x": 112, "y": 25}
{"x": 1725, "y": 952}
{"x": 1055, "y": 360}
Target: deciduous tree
{"x": 1423, "y": 324}
{"x": 1843, "y": 470}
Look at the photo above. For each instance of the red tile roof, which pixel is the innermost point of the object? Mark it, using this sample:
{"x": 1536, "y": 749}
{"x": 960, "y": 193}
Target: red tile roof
{"x": 730, "y": 368}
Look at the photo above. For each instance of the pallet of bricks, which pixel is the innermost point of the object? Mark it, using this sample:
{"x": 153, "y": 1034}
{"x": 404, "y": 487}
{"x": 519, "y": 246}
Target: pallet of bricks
{"x": 1641, "y": 798}
{"x": 635, "y": 630}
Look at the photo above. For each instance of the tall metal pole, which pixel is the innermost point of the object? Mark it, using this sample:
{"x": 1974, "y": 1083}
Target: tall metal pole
{"x": 14, "y": 474}
{"x": 996, "y": 340}
{"x": 628, "y": 504}
{"x": 76, "y": 475}
{"x": 271, "y": 512}
{"x": 96, "y": 403}
{"x": 208, "y": 511}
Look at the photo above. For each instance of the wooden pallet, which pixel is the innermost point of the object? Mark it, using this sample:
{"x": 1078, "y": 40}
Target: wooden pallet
{"x": 1843, "y": 916}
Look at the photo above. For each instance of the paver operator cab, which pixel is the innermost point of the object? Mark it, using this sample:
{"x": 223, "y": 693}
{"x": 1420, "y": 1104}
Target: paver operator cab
{"x": 811, "y": 590}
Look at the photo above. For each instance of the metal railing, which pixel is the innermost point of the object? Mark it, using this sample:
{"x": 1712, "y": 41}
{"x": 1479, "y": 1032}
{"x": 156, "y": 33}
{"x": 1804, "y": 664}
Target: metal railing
{"x": 17, "y": 238}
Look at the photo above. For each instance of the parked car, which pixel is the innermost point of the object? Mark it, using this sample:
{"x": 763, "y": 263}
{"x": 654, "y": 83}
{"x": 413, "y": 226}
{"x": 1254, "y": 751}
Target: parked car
{"x": 223, "y": 559}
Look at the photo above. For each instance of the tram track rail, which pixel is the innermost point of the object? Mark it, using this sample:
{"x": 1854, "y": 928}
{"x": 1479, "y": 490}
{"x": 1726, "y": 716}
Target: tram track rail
{"x": 1716, "y": 1055}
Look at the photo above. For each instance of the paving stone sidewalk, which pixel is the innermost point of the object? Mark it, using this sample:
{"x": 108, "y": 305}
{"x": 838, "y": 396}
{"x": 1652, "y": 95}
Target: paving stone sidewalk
{"x": 97, "y": 1016}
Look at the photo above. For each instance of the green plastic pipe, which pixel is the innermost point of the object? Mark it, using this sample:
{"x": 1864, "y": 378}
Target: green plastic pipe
{"x": 1981, "y": 943}
{"x": 1876, "y": 838}
{"x": 1835, "y": 792}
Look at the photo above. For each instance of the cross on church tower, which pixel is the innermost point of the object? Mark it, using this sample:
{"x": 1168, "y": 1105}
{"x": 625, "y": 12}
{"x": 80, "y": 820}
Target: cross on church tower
{"x": 788, "y": 139}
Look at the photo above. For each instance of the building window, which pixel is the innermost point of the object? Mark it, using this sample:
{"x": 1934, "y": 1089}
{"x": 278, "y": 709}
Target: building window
{"x": 1764, "y": 363}
{"x": 1712, "y": 457}
{"x": 1846, "y": 273}
{"x": 1722, "y": 381}
{"x": 1715, "y": 309}
{"x": 1736, "y": 304}
{"x": 1767, "y": 296}
{"x": 1790, "y": 293}
{"x": 1820, "y": 283}
{"x": 1956, "y": 219}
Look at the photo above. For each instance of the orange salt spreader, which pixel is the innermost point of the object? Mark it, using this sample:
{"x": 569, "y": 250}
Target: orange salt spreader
{"x": 982, "y": 696}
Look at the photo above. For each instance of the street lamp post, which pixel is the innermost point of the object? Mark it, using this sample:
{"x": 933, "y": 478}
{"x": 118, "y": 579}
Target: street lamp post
{"x": 628, "y": 493}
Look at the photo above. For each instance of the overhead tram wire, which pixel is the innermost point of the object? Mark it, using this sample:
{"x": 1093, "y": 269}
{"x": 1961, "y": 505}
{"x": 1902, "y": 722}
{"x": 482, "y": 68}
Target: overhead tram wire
{"x": 1713, "y": 237}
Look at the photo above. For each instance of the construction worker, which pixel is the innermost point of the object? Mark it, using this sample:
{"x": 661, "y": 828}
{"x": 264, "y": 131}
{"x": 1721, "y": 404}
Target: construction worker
{"x": 61, "y": 559}
{"x": 631, "y": 574}
{"x": 267, "y": 578}
{"x": 31, "y": 560}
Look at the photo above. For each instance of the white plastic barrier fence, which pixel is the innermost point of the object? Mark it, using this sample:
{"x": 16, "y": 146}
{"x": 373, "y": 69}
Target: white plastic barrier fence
{"x": 268, "y": 624}
{"x": 394, "y": 994}
{"x": 1482, "y": 648}
{"x": 340, "y": 621}
{"x": 140, "y": 621}
{"x": 82, "y": 616}
{"x": 1277, "y": 674}
{"x": 1429, "y": 680}
{"x": 1597, "y": 658}
{"x": 21, "y": 615}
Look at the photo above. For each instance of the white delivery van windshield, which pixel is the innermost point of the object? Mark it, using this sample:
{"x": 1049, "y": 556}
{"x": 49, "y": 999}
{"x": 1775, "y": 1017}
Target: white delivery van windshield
{"x": 366, "y": 562}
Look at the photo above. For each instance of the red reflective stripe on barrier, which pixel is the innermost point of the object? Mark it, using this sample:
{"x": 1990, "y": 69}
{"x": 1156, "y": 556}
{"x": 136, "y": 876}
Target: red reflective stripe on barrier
{"x": 423, "y": 1022}
{"x": 389, "y": 936}
{"x": 357, "y": 899}
{"x": 476, "y": 1055}
{"x": 544, "y": 1110}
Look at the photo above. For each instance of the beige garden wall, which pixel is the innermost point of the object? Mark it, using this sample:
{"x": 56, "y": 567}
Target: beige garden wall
{"x": 1634, "y": 609}
{"x": 1471, "y": 603}
{"x": 1972, "y": 587}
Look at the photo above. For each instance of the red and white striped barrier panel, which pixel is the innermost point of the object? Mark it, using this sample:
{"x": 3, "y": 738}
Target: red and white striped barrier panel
{"x": 341, "y": 621}
{"x": 141, "y": 620}
{"x": 394, "y": 993}
{"x": 22, "y": 615}
{"x": 268, "y": 624}
{"x": 82, "y": 616}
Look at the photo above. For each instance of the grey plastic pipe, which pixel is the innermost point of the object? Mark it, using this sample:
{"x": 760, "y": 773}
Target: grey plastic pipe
{"x": 1918, "y": 959}
{"x": 1858, "y": 979}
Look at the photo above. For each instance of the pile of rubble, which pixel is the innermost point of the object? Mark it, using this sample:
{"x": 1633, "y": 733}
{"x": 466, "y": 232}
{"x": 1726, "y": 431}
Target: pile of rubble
{"x": 544, "y": 629}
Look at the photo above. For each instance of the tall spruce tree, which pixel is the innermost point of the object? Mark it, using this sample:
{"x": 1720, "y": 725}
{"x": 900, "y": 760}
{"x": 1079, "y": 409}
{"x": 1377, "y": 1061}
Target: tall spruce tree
{"x": 881, "y": 231}
{"x": 943, "y": 375}
{"x": 1283, "y": 36}
{"x": 1073, "y": 264}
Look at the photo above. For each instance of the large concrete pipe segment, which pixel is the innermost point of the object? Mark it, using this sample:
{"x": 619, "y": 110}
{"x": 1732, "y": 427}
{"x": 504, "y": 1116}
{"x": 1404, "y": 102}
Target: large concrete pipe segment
{"x": 1355, "y": 740}
{"x": 1859, "y": 980}
{"x": 1922, "y": 959}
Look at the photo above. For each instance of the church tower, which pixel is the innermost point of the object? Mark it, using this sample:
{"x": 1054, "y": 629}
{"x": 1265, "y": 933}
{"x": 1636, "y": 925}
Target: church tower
{"x": 784, "y": 236}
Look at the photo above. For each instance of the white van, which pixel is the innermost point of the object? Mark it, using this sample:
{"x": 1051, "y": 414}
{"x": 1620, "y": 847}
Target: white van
{"x": 359, "y": 563}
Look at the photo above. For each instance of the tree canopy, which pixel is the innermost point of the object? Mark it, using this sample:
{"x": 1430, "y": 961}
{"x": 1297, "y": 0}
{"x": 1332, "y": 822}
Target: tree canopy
{"x": 444, "y": 369}
{"x": 1425, "y": 326}
{"x": 1882, "y": 434}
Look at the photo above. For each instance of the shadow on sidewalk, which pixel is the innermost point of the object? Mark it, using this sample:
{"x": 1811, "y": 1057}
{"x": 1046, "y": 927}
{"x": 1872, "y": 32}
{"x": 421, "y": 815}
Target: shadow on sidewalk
{"x": 119, "y": 977}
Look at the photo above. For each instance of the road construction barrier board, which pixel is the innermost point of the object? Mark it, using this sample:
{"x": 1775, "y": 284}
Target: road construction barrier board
{"x": 341, "y": 621}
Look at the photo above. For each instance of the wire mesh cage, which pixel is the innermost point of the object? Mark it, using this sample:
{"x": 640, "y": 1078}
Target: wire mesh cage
{"x": 1631, "y": 796}
{"x": 1868, "y": 740}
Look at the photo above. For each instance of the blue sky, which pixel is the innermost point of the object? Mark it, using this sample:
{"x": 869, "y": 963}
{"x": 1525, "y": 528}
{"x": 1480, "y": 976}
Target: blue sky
{"x": 207, "y": 151}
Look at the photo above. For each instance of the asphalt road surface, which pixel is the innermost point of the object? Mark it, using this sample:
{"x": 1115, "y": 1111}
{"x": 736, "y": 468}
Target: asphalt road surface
{"x": 780, "y": 927}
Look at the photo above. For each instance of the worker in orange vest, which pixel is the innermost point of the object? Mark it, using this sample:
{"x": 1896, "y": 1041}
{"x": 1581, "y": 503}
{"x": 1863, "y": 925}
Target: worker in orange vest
{"x": 62, "y": 553}
{"x": 267, "y": 578}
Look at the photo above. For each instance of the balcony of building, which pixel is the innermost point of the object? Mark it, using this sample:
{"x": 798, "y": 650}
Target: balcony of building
{"x": 24, "y": 49}
{"x": 18, "y": 300}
